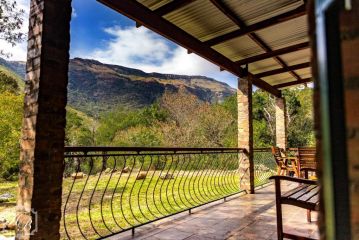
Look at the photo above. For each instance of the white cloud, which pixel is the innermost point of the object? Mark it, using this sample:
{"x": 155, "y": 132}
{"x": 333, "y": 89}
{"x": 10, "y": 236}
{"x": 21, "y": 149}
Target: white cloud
{"x": 140, "y": 48}
{"x": 74, "y": 13}
{"x": 19, "y": 51}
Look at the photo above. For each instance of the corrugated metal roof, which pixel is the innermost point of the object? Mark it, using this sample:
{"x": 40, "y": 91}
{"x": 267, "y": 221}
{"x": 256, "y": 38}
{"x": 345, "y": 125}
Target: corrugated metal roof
{"x": 285, "y": 34}
{"x": 154, "y": 4}
{"x": 253, "y": 11}
{"x": 294, "y": 58}
{"x": 239, "y": 48}
{"x": 204, "y": 21}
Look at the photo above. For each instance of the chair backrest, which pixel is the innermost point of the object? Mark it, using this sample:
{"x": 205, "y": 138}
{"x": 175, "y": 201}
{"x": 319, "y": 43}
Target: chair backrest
{"x": 307, "y": 158}
{"x": 278, "y": 156}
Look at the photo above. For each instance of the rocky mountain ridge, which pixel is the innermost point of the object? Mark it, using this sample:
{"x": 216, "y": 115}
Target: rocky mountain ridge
{"x": 95, "y": 87}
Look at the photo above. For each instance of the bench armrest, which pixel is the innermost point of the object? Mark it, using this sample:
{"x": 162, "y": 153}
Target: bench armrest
{"x": 293, "y": 179}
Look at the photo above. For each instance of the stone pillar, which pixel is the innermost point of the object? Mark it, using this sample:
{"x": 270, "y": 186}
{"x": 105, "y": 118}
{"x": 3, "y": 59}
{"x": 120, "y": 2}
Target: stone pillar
{"x": 245, "y": 134}
{"x": 43, "y": 127}
{"x": 281, "y": 123}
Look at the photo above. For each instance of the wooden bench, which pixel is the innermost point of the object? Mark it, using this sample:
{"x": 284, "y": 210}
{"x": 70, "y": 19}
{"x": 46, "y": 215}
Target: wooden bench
{"x": 305, "y": 195}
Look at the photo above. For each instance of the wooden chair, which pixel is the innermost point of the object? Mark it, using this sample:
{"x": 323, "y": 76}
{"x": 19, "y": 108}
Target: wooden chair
{"x": 307, "y": 162}
{"x": 285, "y": 164}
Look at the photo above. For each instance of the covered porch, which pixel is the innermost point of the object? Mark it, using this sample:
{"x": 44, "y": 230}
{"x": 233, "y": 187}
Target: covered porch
{"x": 267, "y": 44}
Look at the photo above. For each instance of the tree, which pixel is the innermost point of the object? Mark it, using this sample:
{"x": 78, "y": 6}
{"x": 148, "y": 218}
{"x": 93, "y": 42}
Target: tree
{"x": 10, "y": 128}
{"x": 11, "y": 20}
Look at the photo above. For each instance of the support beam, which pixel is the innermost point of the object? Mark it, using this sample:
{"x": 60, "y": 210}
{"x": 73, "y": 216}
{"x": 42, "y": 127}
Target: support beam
{"x": 281, "y": 123}
{"x": 282, "y": 70}
{"x": 245, "y": 134}
{"x": 275, "y": 53}
{"x": 43, "y": 127}
{"x": 156, "y": 23}
{"x": 233, "y": 16}
{"x": 172, "y": 6}
{"x": 298, "y": 12}
{"x": 289, "y": 84}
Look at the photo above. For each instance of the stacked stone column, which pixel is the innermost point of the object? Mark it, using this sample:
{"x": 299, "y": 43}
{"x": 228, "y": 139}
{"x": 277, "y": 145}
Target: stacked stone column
{"x": 281, "y": 123}
{"x": 245, "y": 134}
{"x": 43, "y": 127}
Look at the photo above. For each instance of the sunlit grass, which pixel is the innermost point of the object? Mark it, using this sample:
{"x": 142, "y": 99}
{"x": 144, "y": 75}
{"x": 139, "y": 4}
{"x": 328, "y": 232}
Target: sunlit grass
{"x": 100, "y": 205}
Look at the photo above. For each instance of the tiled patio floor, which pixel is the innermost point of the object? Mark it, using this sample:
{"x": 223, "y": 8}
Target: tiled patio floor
{"x": 244, "y": 217}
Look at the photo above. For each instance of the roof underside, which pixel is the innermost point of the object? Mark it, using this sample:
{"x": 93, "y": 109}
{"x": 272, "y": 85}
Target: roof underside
{"x": 270, "y": 36}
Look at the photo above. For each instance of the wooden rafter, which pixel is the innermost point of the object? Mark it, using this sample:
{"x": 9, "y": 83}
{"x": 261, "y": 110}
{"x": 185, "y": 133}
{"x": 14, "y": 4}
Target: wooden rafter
{"x": 244, "y": 30}
{"x": 233, "y": 16}
{"x": 289, "y": 84}
{"x": 156, "y": 23}
{"x": 282, "y": 70}
{"x": 275, "y": 53}
{"x": 172, "y": 6}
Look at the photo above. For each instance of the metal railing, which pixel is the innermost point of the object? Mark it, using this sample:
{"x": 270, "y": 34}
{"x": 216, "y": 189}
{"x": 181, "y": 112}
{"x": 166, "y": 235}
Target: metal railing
{"x": 264, "y": 166}
{"x": 109, "y": 190}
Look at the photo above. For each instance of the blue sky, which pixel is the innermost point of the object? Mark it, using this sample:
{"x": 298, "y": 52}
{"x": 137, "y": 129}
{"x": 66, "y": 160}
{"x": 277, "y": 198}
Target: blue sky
{"x": 100, "y": 33}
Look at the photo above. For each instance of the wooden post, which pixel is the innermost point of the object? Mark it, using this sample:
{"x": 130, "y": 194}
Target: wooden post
{"x": 43, "y": 127}
{"x": 245, "y": 133}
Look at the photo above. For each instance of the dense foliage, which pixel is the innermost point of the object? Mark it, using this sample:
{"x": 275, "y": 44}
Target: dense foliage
{"x": 11, "y": 104}
{"x": 181, "y": 120}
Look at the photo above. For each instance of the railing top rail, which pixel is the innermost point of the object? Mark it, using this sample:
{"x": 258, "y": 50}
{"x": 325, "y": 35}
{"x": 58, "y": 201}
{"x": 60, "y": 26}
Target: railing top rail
{"x": 262, "y": 149}
{"x": 296, "y": 148}
{"x": 72, "y": 149}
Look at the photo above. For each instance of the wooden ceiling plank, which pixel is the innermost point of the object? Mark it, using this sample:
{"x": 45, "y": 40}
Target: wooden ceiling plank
{"x": 275, "y": 53}
{"x": 156, "y": 23}
{"x": 282, "y": 70}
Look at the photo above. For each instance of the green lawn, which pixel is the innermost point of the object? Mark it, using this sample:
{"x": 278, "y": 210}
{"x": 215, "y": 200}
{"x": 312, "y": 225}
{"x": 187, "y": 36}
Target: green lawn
{"x": 128, "y": 202}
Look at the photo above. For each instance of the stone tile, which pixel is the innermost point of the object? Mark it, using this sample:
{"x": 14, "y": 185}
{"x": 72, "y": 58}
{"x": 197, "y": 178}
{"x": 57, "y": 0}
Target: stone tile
{"x": 171, "y": 234}
{"x": 246, "y": 217}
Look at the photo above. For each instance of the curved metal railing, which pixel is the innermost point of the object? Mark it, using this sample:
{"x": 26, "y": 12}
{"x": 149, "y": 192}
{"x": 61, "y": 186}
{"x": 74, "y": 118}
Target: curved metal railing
{"x": 109, "y": 190}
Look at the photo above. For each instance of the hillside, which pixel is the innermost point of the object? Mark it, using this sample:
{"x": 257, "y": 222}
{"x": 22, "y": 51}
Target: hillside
{"x": 95, "y": 87}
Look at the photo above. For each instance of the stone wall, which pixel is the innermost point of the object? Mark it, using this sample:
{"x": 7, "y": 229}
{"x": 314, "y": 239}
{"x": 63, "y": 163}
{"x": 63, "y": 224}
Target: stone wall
{"x": 43, "y": 127}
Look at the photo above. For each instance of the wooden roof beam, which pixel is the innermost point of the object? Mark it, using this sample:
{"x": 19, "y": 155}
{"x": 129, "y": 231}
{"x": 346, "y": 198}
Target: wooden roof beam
{"x": 289, "y": 84}
{"x": 300, "y": 11}
{"x": 156, "y": 23}
{"x": 237, "y": 20}
{"x": 274, "y": 53}
{"x": 282, "y": 70}
{"x": 172, "y": 6}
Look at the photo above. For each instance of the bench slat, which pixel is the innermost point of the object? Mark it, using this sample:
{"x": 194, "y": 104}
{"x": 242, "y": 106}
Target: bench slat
{"x": 294, "y": 190}
{"x": 305, "y": 190}
{"x": 313, "y": 192}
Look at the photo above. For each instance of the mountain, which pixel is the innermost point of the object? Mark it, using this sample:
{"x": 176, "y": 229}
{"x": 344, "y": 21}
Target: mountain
{"x": 95, "y": 87}
{"x": 18, "y": 67}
